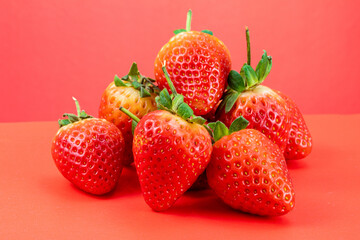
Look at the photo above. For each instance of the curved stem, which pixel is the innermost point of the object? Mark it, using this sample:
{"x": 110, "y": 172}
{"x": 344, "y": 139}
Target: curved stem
{"x": 248, "y": 45}
{"x": 171, "y": 85}
{"x": 130, "y": 114}
{"x": 188, "y": 20}
{"x": 78, "y": 109}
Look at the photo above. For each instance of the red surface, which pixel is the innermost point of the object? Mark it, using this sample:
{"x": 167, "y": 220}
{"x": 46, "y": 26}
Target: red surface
{"x": 36, "y": 202}
{"x": 52, "y": 50}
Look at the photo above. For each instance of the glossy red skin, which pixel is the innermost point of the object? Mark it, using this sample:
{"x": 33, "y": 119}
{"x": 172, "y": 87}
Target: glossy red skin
{"x": 266, "y": 112}
{"x": 169, "y": 154}
{"x": 198, "y": 65}
{"x": 249, "y": 173}
{"x": 128, "y": 97}
{"x": 89, "y": 154}
{"x": 300, "y": 142}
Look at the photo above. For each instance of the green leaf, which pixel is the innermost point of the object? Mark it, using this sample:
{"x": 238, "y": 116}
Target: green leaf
{"x": 250, "y": 75}
{"x": 238, "y": 124}
{"x": 63, "y": 122}
{"x": 165, "y": 99}
{"x": 134, "y": 72}
{"x": 212, "y": 125}
{"x": 225, "y": 98}
{"x": 242, "y": 74}
{"x": 208, "y": 32}
{"x": 118, "y": 82}
{"x": 220, "y": 131}
{"x": 231, "y": 100}
{"x": 236, "y": 82}
{"x": 72, "y": 117}
{"x": 133, "y": 126}
{"x": 84, "y": 115}
{"x": 264, "y": 66}
{"x": 126, "y": 78}
{"x": 185, "y": 111}
{"x": 178, "y": 99}
{"x": 177, "y": 31}
{"x": 198, "y": 119}
{"x": 136, "y": 84}
{"x": 144, "y": 92}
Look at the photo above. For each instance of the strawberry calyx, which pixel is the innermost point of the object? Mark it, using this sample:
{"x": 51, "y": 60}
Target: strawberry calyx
{"x": 134, "y": 79}
{"x": 188, "y": 25}
{"x": 220, "y": 130}
{"x": 247, "y": 79}
{"x": 71, "y": 118}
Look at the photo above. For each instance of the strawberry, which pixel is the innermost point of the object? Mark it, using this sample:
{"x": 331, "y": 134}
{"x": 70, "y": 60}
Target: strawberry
{"x": 265, "y": 110}
{"x": 200, "y": 183}
{"x": 171, "y": 149}
{"x": 248, "y": 172}
{"x": 300, "y": 142}
{"x": 198, "y": 64}
{"x": 133, "y": 92}
{"x": 88, "y": 152}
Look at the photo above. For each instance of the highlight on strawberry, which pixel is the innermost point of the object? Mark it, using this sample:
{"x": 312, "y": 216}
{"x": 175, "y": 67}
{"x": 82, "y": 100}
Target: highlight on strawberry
{"x": 198, "y": 65}
{"x": 248, "y": 172}
{"x": 171, "y": 149}
{"x": 265, "y": 110}
{"x": 88, "y": 152}
{"x": 134, "y": 92}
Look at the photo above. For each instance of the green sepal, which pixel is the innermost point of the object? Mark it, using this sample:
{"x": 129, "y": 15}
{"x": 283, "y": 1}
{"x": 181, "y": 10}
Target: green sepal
{"x": 63, "y": 122}
{"x": 198, "y": 119}
{"x": 84, "y": 115}
{"x": 72, "y": 117}
{"x": 231, "y": 100}
{"x": 165, "y": 99}
{"x": 136, "y": 84}
{"x": 242, "y": 73}
{"x": 134, "y": 79}
{"x": 236, "y": 82}
{"x": 264, "y": 66}
{"x": 220, "y": 131}
{"x": 208, "y": 32}
{"x": 144, "y": 92}
{"x": 177, "y": 31}
{"x": 134, "y": 72}
{"x": 238, "y": 124}
{"x": 212, "y": 125}
{"x": 185, "y": 111}
{"x": 250, "y": 75}
{"x": 177, "y": 100}
{"x": 133, "y": 126}
{"x": 118, "y": 82}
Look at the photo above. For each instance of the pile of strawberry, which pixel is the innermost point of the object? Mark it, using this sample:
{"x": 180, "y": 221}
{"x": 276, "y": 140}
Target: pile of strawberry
{"x": 197, "y": 124}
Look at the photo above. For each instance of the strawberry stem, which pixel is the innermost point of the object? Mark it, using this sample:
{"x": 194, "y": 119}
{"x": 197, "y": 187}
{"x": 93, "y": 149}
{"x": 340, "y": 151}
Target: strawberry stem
{"x": 188, "y": 20}
{"x": 78, "y": 109}
{"x": 248, "y": 45}
{"x": 130, "y": 114}
{"x": 171, "y": 85}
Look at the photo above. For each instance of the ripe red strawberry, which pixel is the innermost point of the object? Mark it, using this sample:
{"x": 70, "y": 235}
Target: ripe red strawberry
{"x": 198, "y": 63}
{"x": 265, "y": 110}
{"x": 200, "y": 183}
{"x": 133, "y": 92}
{"x": 171, "y": 149}
{"x": 248, "y": 172}
{"x": 300, "y": 142}
{"x": 88, "y": 152}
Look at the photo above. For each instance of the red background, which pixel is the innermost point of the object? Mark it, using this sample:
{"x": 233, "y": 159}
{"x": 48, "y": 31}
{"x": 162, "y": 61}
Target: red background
{"x": 52, "y": 50}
